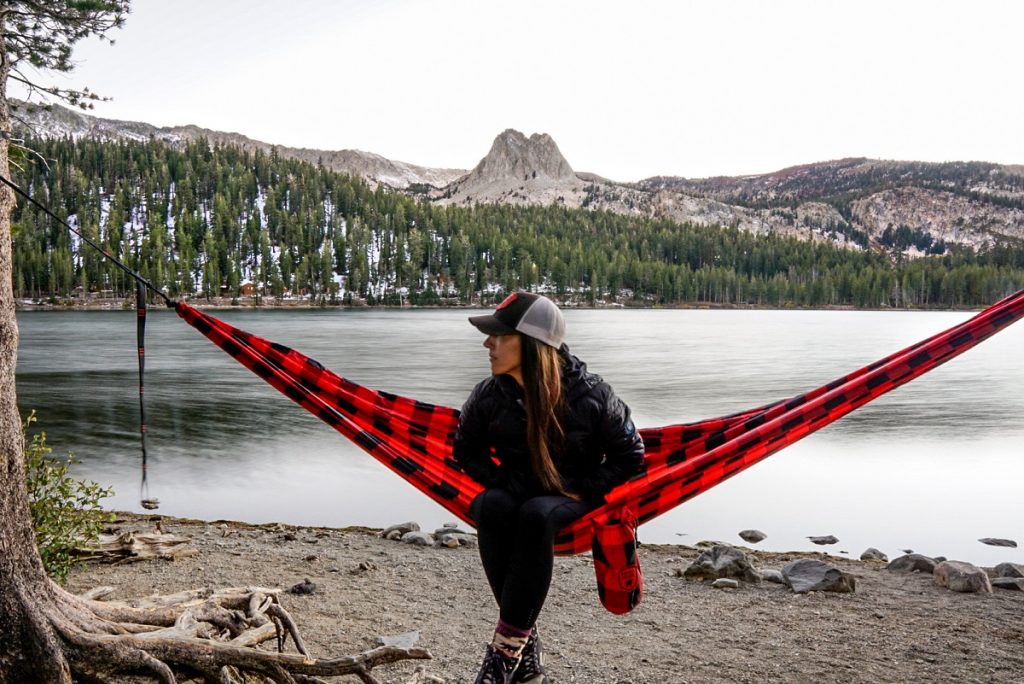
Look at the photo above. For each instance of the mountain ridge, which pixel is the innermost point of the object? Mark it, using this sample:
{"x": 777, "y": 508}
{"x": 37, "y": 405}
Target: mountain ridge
{"x": 906, "y": 207}
{"x": 55, "y": 121}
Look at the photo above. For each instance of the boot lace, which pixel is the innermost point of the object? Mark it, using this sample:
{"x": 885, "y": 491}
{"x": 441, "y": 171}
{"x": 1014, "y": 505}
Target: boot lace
{"x": 531, "y": 665}
{"x": 497, "y": 668}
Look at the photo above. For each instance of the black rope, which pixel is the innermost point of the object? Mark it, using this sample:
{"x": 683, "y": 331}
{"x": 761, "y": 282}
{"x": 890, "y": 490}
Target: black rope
{"x": 113, "y": 259}
{"x": 146, "y": 501}
{"x": 141, "y": 284}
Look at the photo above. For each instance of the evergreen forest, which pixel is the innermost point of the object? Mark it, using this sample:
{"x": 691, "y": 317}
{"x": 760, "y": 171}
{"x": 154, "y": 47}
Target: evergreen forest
{"x": 213, "y": 221}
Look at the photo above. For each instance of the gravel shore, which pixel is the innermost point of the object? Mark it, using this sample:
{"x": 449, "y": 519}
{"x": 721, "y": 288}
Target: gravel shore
{"x": 895, "y": 627}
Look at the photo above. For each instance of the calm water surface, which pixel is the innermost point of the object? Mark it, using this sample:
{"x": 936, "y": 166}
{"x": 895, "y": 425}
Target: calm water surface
{"x": 932, "y": 467}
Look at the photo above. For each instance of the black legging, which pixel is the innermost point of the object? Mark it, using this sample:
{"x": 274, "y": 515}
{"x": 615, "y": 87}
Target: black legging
{"x": 517, "y": 541}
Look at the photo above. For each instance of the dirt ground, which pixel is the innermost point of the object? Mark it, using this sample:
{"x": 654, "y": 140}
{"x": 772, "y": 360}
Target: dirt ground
{"x": 896, "y": 627}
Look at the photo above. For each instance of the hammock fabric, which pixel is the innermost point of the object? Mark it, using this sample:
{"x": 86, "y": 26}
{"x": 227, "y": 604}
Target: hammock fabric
{"x": 414, "y": 439}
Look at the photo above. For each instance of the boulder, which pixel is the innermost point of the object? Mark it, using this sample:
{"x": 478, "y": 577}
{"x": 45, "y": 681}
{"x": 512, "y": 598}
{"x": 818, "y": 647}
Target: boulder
{"x": 418, "y": 538}
{"x": 1011, "y": 583}
{"x": 961, "y": 576}
{"x": 753, "y": 536}
{"x": 873, "y": 554}
{"x": 303, "y": 587}
{"x": 449, "y": 528}
{"x": 725, "y": 584}
{"x": 824, "y": 541}
{"x": 722, "y": 561}
{"x": 992, "y": 541}
{"x": 773, "y": 576}
{"x": 450, "y": 537}
{"x": 808, "y": 574}
{"x": 1008, "y": 570}
{"x": 912, "y": 562}
{"x": 400, "y": 529}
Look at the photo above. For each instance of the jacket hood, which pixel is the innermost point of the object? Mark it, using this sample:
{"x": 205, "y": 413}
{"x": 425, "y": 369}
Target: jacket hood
{"x": 575, "y": 377}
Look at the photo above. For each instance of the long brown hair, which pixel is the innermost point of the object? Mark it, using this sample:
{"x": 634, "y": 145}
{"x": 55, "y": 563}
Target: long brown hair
{"x": 542, "y": 385}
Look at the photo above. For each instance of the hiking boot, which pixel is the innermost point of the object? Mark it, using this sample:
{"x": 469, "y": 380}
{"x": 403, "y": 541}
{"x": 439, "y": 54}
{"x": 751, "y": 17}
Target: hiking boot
{"x": 497, "y": 667}
{"x": 531, "y": 664}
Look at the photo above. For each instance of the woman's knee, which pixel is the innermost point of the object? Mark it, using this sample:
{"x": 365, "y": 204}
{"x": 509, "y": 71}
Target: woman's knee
{"x": 547, "y": 514}
{"x": 493, "y": 506}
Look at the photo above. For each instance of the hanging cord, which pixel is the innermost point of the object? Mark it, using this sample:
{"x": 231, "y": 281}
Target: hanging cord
{"x": 141, "y": 284}
{"x": 145, "y": 500}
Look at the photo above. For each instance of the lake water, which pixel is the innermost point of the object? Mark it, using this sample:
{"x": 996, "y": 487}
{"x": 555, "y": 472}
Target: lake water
{"x": 933, "y": 466}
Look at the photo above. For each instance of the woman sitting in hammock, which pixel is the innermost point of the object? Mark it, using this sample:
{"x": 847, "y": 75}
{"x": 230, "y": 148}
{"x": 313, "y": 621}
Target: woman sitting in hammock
{"x": 562, "y": 439}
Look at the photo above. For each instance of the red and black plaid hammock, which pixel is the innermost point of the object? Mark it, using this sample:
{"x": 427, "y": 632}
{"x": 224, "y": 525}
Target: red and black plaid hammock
{"x": 414, "y": 439}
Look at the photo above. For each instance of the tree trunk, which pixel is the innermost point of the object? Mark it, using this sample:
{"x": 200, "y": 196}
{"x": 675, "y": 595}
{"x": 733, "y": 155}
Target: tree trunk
{"x": 28, "y": 650}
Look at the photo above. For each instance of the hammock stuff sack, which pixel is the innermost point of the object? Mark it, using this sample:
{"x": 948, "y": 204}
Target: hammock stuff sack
{"x": 414, "y": 439}
{"x": 620, "y": 583}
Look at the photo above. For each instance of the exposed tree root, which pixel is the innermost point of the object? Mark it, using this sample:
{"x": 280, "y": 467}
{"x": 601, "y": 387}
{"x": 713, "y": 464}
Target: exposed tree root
{"x": 202, "y": 635}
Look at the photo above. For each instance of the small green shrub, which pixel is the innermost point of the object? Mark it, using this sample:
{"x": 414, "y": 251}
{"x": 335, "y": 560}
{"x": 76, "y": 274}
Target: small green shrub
{"x": 65, "y": 512}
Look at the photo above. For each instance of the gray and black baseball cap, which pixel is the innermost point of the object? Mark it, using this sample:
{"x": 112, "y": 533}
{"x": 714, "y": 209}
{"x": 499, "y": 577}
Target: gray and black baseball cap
{"x": 527, "y": 313}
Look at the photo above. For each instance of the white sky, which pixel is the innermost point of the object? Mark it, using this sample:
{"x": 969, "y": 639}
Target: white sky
{"x": 628, "y": 89}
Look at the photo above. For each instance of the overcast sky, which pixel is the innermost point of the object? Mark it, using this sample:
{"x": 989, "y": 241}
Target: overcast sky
{"x": 628, "y": 90}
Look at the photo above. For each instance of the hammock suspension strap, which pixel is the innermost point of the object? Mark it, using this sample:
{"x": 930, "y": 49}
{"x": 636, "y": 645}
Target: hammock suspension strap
{"x": 110, "y": 257}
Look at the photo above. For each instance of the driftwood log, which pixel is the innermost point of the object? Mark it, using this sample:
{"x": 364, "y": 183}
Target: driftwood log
{"x": 130, "y": 546}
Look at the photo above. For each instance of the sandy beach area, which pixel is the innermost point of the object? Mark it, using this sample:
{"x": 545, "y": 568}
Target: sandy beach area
{"x": 895, "y": 627}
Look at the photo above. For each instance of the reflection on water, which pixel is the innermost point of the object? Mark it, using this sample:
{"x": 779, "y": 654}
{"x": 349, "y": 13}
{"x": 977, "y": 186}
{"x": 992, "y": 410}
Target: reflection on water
{"x": 223, "y": 444}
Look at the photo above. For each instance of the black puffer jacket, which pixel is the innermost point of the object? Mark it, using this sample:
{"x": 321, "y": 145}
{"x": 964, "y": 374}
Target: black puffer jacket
{"x": 602, "y": 446}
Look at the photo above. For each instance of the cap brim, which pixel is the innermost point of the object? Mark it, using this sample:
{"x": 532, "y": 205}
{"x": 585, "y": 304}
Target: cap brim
{"x": 489, "y": 325}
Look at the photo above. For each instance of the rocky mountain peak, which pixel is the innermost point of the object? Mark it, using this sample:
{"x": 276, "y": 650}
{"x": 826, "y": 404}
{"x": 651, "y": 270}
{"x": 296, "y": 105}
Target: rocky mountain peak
{"x": 514, "y": 156}
{"x": 518, "y": 170}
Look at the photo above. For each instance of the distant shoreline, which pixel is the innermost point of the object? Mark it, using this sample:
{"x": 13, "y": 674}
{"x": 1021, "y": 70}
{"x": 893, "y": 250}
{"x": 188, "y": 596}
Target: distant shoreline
{"x": 246, "y": 303}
